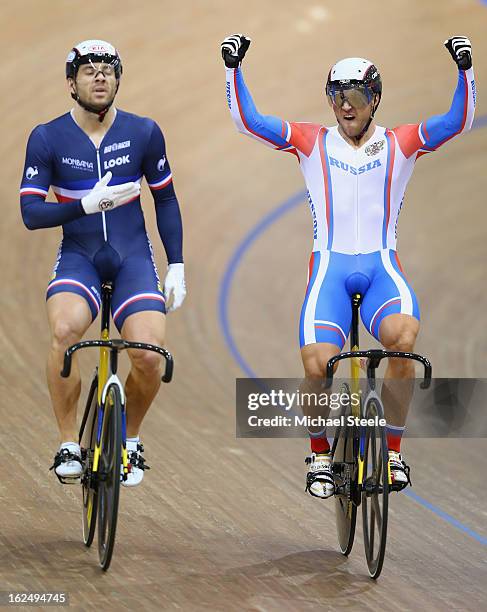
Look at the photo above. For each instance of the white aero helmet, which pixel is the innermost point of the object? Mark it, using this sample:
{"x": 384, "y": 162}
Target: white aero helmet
{"x": 355, "y": 69}
{"x": 356, "y": 80}
{"x": 93, "y": 51}
{"x": 354, "y": 72}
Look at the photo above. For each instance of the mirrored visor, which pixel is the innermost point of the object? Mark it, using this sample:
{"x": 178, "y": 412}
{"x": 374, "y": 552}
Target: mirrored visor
{"x": 358, "y": 96}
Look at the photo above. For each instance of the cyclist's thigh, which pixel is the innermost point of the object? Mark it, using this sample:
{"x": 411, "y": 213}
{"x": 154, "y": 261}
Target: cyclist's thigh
{"x": 74, "y": 274}
{"x": 137, "y": 289}
{"x": 389, "y": 293}
{"x": 326, "y": 313}
{"x": 144, "y": 326}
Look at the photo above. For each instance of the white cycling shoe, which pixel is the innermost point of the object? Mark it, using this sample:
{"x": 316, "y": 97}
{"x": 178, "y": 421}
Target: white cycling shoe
{"x": 67, "y": 463}
{"x": 319, "y": 479}
{"x": 399, "y": 471}
{"x": 136, "y": 464}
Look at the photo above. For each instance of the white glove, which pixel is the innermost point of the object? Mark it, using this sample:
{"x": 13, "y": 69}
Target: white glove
{"x": 102, "y": 197}
{"x": 174, "y": 286}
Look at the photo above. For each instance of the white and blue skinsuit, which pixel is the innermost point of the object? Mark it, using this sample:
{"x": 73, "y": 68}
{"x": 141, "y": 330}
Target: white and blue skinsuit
{"x": 355, "y": 196}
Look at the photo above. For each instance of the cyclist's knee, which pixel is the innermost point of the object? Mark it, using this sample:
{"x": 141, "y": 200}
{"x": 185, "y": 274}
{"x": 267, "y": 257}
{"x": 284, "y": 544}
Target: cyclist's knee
{"x": 315, "y": 362}
{"x": 399, "y": 332}
{"x": 404, "y": 340}
{"x": 146, "y": 362}
{"x": 64, "y": 334}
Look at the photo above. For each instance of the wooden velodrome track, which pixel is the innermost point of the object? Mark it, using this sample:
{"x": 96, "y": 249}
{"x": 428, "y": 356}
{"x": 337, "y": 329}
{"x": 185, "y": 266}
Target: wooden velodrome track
{"x": 220, "y": 523}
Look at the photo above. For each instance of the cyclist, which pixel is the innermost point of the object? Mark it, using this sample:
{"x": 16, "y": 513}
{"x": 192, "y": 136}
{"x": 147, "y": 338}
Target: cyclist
{"x": 356, "y": 173}
{"x": 93, "y": 158}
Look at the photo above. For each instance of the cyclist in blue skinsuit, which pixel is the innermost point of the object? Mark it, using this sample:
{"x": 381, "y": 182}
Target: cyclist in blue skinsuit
{"x": 356, "y": 173}
{"x": 94, "y": 158}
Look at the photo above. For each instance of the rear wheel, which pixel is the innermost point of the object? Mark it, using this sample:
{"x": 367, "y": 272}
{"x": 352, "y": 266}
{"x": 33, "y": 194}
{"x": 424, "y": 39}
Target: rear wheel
{"x": 375, "y": 490}
{"x": 87, "y": 439}
{"x": 109, "y": 475}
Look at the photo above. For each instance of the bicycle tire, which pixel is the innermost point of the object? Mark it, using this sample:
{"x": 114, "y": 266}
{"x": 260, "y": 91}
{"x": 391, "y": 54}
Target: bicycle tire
{"x": 87, "y": 440}
{"x": 345, "y": 451}
{"x": 109, "y": 475}
{"x": 375, "y": 491}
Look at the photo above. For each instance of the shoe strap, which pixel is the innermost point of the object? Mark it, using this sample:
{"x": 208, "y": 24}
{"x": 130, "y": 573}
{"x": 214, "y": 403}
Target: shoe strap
{"x": 401, "y": 466}
{"x": 315, "y": 457}
{"x": 323, "y": 476}
{"x": 136, "y": 460}
{"x": 63, "y": 456}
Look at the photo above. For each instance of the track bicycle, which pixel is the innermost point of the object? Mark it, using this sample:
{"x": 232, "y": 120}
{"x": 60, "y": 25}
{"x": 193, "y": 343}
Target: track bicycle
{"x": 360, "y": 455}
{"x": 102, "y": 434}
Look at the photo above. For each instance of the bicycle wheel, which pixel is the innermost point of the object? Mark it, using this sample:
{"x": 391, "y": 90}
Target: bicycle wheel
{"x": 345, "y": 450}
{"x": 109, "y": 475}
{"x": 87, "y": 440}
{"x": 375, "y": 490}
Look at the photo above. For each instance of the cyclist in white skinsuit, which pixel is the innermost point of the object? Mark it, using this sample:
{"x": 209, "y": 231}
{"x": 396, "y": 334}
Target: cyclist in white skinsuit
{"x": 356, "y": 173}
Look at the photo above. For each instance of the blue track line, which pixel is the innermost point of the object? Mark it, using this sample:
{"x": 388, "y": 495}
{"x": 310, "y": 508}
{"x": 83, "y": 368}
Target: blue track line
{"x": 234, "y": 263}
{"x": 223, "y": 315}
{"x": 446, "y": 517}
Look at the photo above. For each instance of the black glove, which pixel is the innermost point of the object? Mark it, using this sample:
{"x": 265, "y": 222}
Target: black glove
{"x": 460, "y": 49}
{"x": 234, "y": 49}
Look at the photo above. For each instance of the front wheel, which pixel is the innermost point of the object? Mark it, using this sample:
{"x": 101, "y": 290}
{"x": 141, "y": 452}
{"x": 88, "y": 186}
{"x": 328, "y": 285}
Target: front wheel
{"x": 87, "y": 440}
{"x": 109, "y": 475}
{"x": 345, "y": 451}
{"x": 375, "y": 490}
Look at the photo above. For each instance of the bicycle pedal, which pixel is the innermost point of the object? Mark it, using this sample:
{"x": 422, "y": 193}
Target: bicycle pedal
{"x": 337, "y": 468}
{"x": 398, "y": 487}
{"x": 370, "y": 486}
{"x": 69, "y": 481}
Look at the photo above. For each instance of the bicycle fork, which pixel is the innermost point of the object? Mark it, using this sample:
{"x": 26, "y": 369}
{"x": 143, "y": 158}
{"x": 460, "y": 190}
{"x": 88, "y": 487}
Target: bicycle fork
{"x": 102, "y": 411}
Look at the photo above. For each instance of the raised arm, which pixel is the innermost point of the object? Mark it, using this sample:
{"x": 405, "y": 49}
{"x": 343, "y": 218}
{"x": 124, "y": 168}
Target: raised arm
{"x": 267, "y": 129}
{"x": 439, "y": 129}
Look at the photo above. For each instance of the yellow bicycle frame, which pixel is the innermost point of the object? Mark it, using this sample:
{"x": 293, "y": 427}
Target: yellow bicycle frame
{"x": 102, "y": 379}
{"x": 103, "y": 374}
{"x": 355, "y": 388}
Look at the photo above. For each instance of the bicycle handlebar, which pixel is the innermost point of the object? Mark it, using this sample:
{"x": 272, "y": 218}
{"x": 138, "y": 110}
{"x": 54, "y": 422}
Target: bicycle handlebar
{"x": 119, "y": 345}
{"x": 374, "y": 357}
